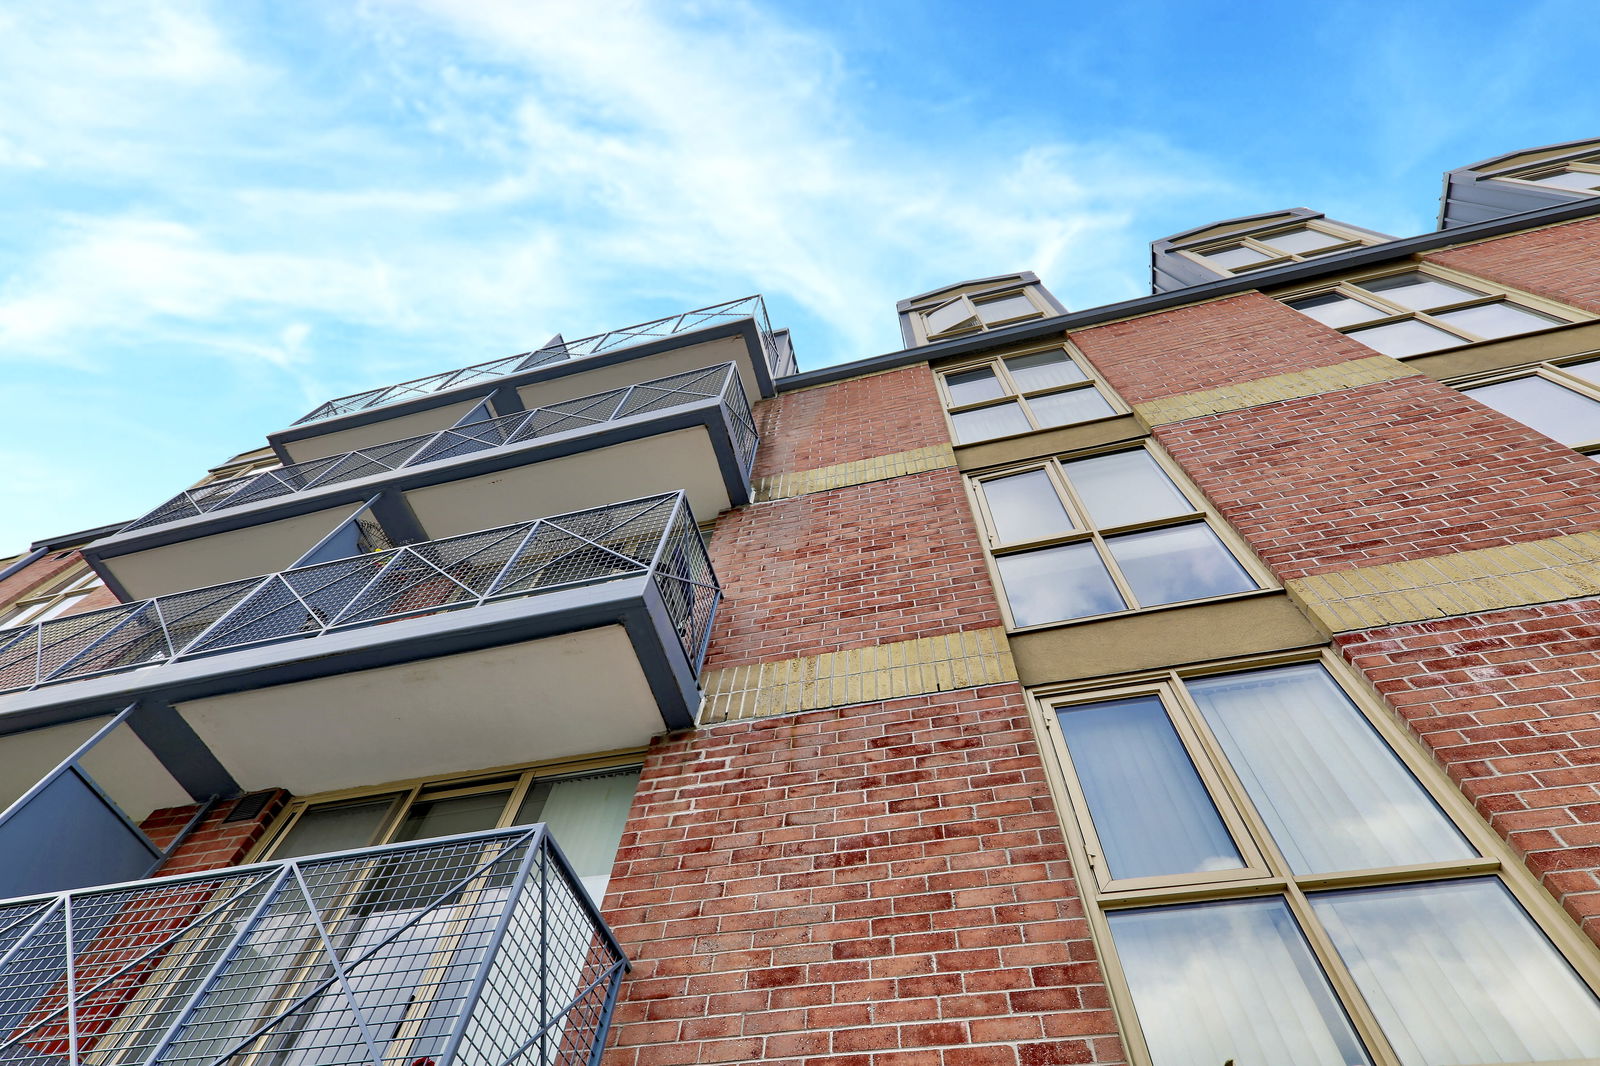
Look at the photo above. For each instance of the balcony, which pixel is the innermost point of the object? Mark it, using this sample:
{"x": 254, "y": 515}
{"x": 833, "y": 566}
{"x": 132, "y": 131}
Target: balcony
{"x": 737, "y": 331}
{"x": 562, "y": 636}
{"x": 481, "y": 949}
{"x": 690, "y": 431}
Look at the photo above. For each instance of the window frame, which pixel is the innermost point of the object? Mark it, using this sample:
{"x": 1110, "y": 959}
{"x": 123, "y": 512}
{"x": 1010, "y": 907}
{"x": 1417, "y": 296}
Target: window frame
{"x": 1012, "y": 392}
{"x": 1279, "y": 882}
{"x": 1583, "y": 164}
{"x": 1487, "y": 293}
{"x": 1260, "y": 241}
{"x": 1551, "y": 370}
{"x": 973, "y": 321}
{"x": 79, "y": 580}
{"x": 1086, "y": 532}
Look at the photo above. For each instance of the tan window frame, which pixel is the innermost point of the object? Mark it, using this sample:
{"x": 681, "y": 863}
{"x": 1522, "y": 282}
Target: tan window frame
{"x": 972, "y": 321}
{"x": 1589, "y": 164}
{"x": 1085, "y": 531}
{"x": 1556, "y": 373}
{"x": 54, "y": 600}
{"x": 1013, "y": 392}
{"x": 1276, "y": 880}
{"x": 1262, "y": 243}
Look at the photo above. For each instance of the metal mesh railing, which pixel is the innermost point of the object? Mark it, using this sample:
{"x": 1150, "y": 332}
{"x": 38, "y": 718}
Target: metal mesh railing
{"x": 482, "y": 950}
{"x": 655, "y": 535}
{"x": 776, "y": 351}
{"x": 717, "y": 382}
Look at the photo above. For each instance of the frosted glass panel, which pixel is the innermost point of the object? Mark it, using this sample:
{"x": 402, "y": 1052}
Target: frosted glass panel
{"x": 1066, "y": 408}
{"x": 1589, "y": 370}
{"x": 1005, "y": 308}
{"x": 1040, "y": 370}
{"x": 1457, "y": 973}
{"x": 1001, "y": 420}
{"x": 1233, "y": 258}
{"x": 1302, "y": 240}
{"x": 586, "y": 816}
{"x": 1332, "y": 792}
{"x": 1234, "y": 981}
{"x": 1571, "y": 179}
{"x": 1125, "y": 487}
{"x": 1499, "y": 319}
{"x": 1418, "y": 292}
{"x": 1557, "y": 412}
{"x": 948, "y": 316}
{"x": 1335, "y": 310}
{"x": 1407, "y": 337}
{"x": 1179, "y": 563}
{"x": 1149, "y": 807}
{"x": 1025, "y": 507}
{"x": 973, "y": 386}
{"x": 1055, "y": 584}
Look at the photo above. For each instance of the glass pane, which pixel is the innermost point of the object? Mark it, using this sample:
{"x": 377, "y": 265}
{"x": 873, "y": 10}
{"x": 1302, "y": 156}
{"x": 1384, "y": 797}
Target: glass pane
{"x": 1571, "y": 179}
{"x": 1149, "y": 806}
{"x": 973, "y": 386}
{"x": 1302, "y": 240}
{"x": 1332, "y": 792}
{"x": 1179, "y": 563}
{"x": 1589, "y": 370}
{"x": 1055, "y": 584}
{"x": 1005, "y": 308}
{"x": 1233, "y": 258}
{"x": 1418, "y": 292}
{"x": 1335, "y": 310}
{"x": 334, "y": 827}
{"x": 463, "y": 814}
{"x": 1499, "y": 319}
{"x": 1065, "y": 408}
{"x": 1555, "y": 411}
{"x": 1231, "y": 981}
{"x": 1409, "y": 337}
{"x": 948, "y": 316}
{"x": 986, "y": 423}
{"x": 586, "y": 817}
{"x": 1125, "y": 487}
{"x": 1040, "y": 370}
{"x": 1457, "y": 973}
{"x": 1025, "y": 507}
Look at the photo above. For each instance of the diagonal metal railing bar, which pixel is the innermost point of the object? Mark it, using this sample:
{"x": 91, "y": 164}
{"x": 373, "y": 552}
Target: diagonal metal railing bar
{"x": 777, "y": 356}
{"x": 375, "y": 957}
{"x": 653, "y": 537}
{"x": 720, "y": 382}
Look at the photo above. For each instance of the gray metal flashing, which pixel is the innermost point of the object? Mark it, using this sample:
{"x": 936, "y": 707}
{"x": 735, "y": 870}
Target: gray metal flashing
{"x": 180, "y": 750}
{"x": 744, "y": 328}
{"x": 24, "y": 562}
{"x": 74, "y": 540}
{"x": 708, "y": 414}
{"x": 1288, "y": 274}
{"x": 1476, "y": 177}
{"x": 626, "y": 601}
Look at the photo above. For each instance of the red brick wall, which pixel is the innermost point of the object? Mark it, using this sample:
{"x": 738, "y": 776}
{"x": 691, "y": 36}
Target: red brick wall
{"x": 214, "y": 842}
{"x": 1241, "y": 338}
{"x": 1561, "y": 262}
{"x": 860, "y": 419}
{"x": 40, "y": 573}
{"x": 866, "y": 564}
{"x": 880, "y": 885}
{"x": 1401, "y": 469}
{"x": 1509, "y": 702}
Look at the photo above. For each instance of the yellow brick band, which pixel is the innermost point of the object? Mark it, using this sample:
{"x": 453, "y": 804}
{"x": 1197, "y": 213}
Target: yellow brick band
{"x": 1444, "y": 586}
{"x": 858, "y": 675}
{"x": 859, "y": 472}
{"x": 1314, "y": 382}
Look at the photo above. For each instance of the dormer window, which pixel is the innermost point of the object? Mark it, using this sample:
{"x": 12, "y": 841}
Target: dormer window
{"x": 965, "y": 313}
{"x": 970, "y": 307}
{"x": 1293, "y": 245}
{"x": 1579, "y": 175}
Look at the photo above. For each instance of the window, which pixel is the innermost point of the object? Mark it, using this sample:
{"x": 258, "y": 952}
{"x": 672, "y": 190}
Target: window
{"x": 966, "y": 314}
{"x": 1574, "y": 175}
{"x": 1022, "y": 393}
{"x": 1296, "y": 244}
{"x": 1560, "y": 401}
{"x": 235, "y": 469}
{"x": 585, "y": 813}
{"x": 1416, "y": 312}
{"x": 1075, "y": 538}
{"x": 1276, "y": 883}
{"x": 57, "y": 598}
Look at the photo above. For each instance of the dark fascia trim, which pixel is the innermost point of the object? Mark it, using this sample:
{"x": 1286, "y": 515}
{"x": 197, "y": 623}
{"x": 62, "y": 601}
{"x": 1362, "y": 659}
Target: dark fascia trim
{"x": 1026, "y": 277}
{"x": 744, "y": 327}
{"x": 1288, "y": 274}
{"x": 76, "y": 540}
{"x": 707, "y": 413}
{"x": 626, "y": 601}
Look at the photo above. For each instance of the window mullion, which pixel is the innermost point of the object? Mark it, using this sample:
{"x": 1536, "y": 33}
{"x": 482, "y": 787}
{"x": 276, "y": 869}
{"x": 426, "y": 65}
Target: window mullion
{"x": 1457, "y": 331}
{"x": 1355, "y": 1005}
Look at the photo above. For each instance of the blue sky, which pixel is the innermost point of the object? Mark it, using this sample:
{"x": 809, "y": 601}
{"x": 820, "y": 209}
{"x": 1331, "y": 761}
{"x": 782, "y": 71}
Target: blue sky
{"x": 213, "y": 216}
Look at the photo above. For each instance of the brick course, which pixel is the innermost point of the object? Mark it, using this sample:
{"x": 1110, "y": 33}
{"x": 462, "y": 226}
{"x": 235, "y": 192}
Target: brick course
{"x": 858, "y": 419}
{"x": 214, "y": 843}
{"x": 865, "y": 564}
{"x": 1561, "y": 263}
{"x": 1242, "y": 338}
{"x": 40, "y": 573}
{"x": 1402, "y": 469}
{"x": 1509, "y": 703}
{"x": 875, "y": 885}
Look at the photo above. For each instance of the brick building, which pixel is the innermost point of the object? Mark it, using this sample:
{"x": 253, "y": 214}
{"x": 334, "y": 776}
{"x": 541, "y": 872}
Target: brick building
{"x": 1212, "y": 676}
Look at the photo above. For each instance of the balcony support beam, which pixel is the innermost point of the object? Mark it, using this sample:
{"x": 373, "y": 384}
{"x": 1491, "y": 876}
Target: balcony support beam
{"x": 506, "y": 401}
{"x": 397, "y": 518}
{"x": 180, "y": 750}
